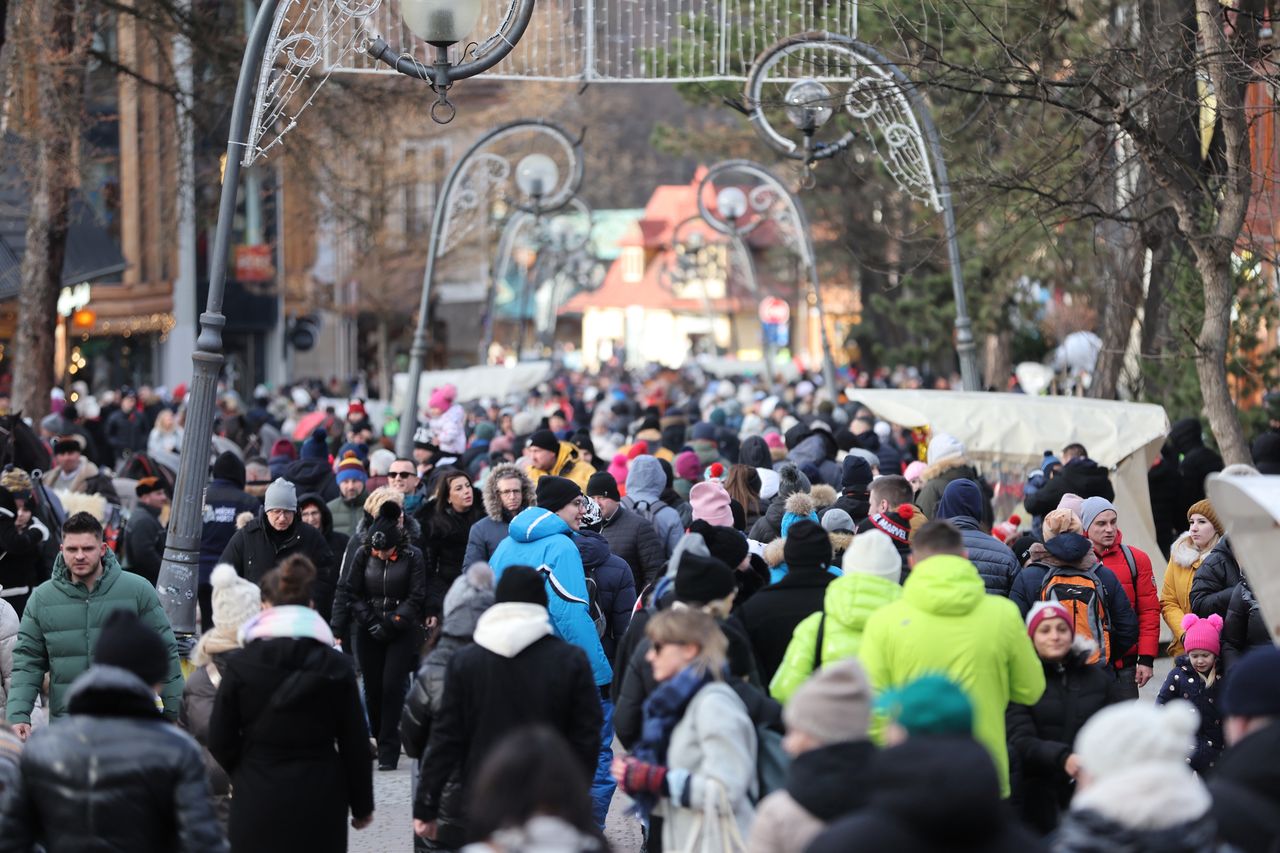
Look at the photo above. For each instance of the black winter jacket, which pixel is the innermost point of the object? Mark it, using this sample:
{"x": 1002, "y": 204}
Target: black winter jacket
{"x": 1244, "y": 629}
{"x": 313, "y": 475}
{"x": 1041, "y": 735}
{"x": 773, "y": 613}
{"x": 1198, "y": 461}
{"x": 1082, "y": 477}
{"x": 337, "y": 541}
{"x": 341, "y": 615}
{"x": 391, "y": 593}
{"x": 21, "y": 561}
{"x": 996, "y": 563}
{"x": 127, "y": 432}
{"x": 223, "y": 501}
{"x": 1246, "y": 792}
{"x": 444, "y": 544}
{"x": 257, "y": 548}
{"x": 198, "y": 696}
{"x": 113, "y": 775}
{"x": 1215, "y": 580}
{"x": 143, "y": 545}
{"x": 634, "y": 539}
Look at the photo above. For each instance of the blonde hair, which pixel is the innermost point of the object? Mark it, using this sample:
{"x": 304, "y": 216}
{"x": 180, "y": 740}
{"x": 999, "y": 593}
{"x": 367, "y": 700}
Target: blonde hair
{"x": 379, "y": 496}
{"x": 692, "y": 627}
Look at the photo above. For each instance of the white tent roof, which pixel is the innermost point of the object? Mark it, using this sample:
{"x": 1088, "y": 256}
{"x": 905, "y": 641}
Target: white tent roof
{"x": 1250, "y": 509}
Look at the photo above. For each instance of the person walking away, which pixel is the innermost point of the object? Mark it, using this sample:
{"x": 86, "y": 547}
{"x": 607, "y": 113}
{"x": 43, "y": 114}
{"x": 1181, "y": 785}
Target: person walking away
{"x": 646, "y": 482}
{"x": 1041, "y": 735}
{"x": 288, "y": 728}
{"x": 1132, "y": 567}
{"x": 224, "y": 499}
{"x": 516, "y": 673}
{"x": 698, "y": 753}
{"x": 1196, "y": 677}
{"x": 1079, "y": 475}
{"x": 386, "y": 589}
{"x": 827, "y": 721}
{"x": 1246, "y": 781}
{"x": 235, "y": 602}
{"x": 65, "y": 615}
{"x": 630, "y": 536}
{"x": 446, "y": 525}
{"x": 1185, "y": 557}
{"x": 144, "y": 534}
{"x": 127, "y": 428}
{"x": 1196, "y": 462}
{"x": 961, "y": 504}
{"x": 506, "y": 492}
{"x": 348, "y": 507}
{"x": 945, "y": 623}
{"x": 1244, "y": 629}
{"x": 469, "y": 597}
{"x": 312, "y": 472}
{"x": 610, "y": 586}
{"x": 1135, "y": 790}
{"x": 113, "y": 775}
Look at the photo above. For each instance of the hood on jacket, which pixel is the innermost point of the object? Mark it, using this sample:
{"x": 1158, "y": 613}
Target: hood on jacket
{"x": 109, "y": 691}
{"x": 533, "y": 523}
{"x": 1149, "y": 796}
{"x": 826, "y": 781}
{"x": 851, "y": 598}
{"x": 1186, "y": 434}
{"x": 593, "y": 547}
{"x": 1183, "y": 552}
{"x": 467, "y": 599}
{"x": 755, "y": 452}
{"x": 1070, "y": 548}
{"x": 309, "y": 472}
{"x": 326, "y": 516}
{"x": 510, "y": 627}
{"x": 818, "y": 447}
{"x": 493, "y": 502}
{"x": 646, "y": 480}
{"x": 944, "y": 586}
{"x": 961, "y": 498}
{"x": 568, "y": 454}
{"x": 937, "y": 469}
{"x": 823, "y": 496}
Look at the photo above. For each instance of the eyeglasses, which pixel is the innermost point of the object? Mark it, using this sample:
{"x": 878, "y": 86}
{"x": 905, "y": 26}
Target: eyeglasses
{"x": 657, "y": 647}
{"x": 400, "y": 475}
{"x": 510, "y": 492}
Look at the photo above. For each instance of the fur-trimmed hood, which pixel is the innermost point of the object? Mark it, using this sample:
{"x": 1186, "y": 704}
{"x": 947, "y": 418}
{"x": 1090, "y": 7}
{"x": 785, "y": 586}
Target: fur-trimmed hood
{"x": 493, "y": 503}
{"x": 937, "y": 469}
{"x": 823, "y": 496}
{"x": 1184, "y": 553}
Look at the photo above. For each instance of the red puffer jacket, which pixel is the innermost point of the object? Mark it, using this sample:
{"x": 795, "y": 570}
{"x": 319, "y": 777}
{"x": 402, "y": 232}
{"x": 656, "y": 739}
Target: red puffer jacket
{"x": 1145, "y": 600}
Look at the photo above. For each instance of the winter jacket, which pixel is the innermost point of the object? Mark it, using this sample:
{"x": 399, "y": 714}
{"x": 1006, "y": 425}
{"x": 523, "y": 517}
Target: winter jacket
{"x": 1198, "y": 461}
{"x": 769, "y": 526}
{"x": 197, "y": 707}
{"x": 111, "y": 776}
{"x": 391, "y": 593}
{"x": 1041, "y": 735}
{"x": 567, "y": 465}
{"x": 21, "y": 561}
{"x": 1183, "y": 682}
{"x": 1081, "y": 476}
{"x": 945, "y": 623}
{"x": 288, "y": 727}
{"x": 143, "y": 544}
{"x": 823, "y": 785}
{"x": 818, "y": 450}
{"x": 127, "y": 433}
{"x": 223, "y": 501}
{"x": 341, "y": 613}
{"x": 8, "y": 639}
{"x": 931, "y": 795}
{"x": 712, "y": 748}
{"x": 1244, "y": 629}
{"x": 1164, "y": 484}
{"x": 444, "y": 546}
{"x": 772, "y": 614}
{"x": 1217, "y": 576}
{"x": 645, "y": 483}
{"x": 962, "y": 504}
{"x": 1124, "y": 622}
{"x": 634, "y": 539}
{"x": 347, "y": 513}
{"x": 1246, "y": 791}
{"x": 448, "y": 430}
{"x": 487, "y": 533}
{"x": 539, "y": 537}
{"x": 313, "y": 475}
{"x": 615, "y": 588}
{"x": 257, "y": 548}
{"x": 1175, "y": 594}
{"x": 336, "y": 541}
{"x": 936, "y": 478}
{"x": 515, "y": 674}
{"x": 60, "y": 631}
{"x": 847, "y": 604}
{"x": 1145, "y": 599}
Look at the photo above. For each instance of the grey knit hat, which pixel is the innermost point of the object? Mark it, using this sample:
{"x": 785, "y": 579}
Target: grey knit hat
{"x": 281, "y": 494}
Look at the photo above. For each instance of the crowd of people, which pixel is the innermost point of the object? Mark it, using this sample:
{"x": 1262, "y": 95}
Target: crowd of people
{"x": 775, "y": 622}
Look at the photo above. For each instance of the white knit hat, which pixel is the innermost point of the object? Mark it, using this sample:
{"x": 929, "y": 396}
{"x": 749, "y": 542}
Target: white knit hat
{"x": 1121, "y": 737}
{"x": 235, "y": 600}
{"x": 944, "y": 446}
{"x": 873, "y": 553}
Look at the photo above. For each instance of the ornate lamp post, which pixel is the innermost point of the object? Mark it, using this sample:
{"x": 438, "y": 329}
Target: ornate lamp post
{"x": 895, "y": 120}
{"x": 695, "y": 262}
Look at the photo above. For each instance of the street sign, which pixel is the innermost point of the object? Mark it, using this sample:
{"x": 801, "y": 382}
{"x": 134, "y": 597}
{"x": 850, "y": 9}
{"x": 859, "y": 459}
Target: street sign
{"x": 774, "y": 311}
{"x": 777, "y": 334}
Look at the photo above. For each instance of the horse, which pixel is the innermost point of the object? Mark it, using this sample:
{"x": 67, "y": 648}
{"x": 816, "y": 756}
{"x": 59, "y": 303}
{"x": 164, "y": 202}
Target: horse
{"x": 21, "y": 448}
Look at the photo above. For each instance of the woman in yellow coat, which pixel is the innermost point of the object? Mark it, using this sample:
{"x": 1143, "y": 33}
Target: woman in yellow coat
{"x": 1188, "y": 551}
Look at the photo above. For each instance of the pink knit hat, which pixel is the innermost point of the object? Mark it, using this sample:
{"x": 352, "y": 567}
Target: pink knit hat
{"x": 774, "y": 440}
{"x": 442, "y": 397}
{"x": 710, "y": 503}
{"x": 1202, "y": 634}
{"x": 1073, "y": 502}
{"x": 915, "y": 469}
{"x": 687, "y": 466}
{"x": 619, "y": 467}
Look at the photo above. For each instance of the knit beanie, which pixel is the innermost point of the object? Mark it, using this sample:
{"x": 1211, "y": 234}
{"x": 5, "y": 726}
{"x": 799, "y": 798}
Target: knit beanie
{"x": 791, "y": 480}
{"x": 1253, "y": 685}
{"x": 555, "y": 493}
{"x": 281, "y": 494}
{"x": 704, "y": 431}
{"x": 235, "y": 600}
{"x": 961, "y": 497}
{"x": 351, "y": 468}
{"x": 915, "y": 469}
{"x": 603, "y": 484}
{"x": 855, "y": 474}
{"x": 1124, "y": 736}
{"x": 700, "y": 580}
{"x": 807, "y": 546}
{"x": 1061, "y": 521}
{"x": 1073, "y": 502}
{"x": 442, "y": 398}
{"x": 836, "y": 520}
{"x": 283, "y": 447}
{"x": 833, "y": 705}
{"x": 688, "y": 466}
{"x": 484, "y": 431}
{"x": 127, "y": 643}
{"x": 896, "y": 523}
{"x": 520, "y": 584}
{"x": 944, "y": 446}
{"x": 873, "y": 553}
{"x": 1042, "y": 610}
{"x": 544, "y": 439}
{"x": 726, "y": 544}
{"x": 317, "y": 446}
{"x": 775, "y": 441}
{"x": 470, "y": 595}
{"x": 1206, "y": 509}
{"x": 1202, "y": 634}
{"x": 385, "y": 531}
{"x": 1091, "y": 509}
{"x": 229, "y": 467}
{"x": 710, "y": 503}
{"x": 930, "y": 705}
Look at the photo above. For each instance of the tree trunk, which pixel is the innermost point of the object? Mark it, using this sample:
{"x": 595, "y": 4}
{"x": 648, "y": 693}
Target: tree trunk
{"x": 1123, "y": 265}
{"x": 997, "y": 364}
{"x": 1211, "y": 359}
{"x": 60, "y": 100}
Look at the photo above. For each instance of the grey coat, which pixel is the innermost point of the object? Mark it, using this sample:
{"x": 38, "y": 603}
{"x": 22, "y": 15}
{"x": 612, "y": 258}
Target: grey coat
{"x": 486, "y": 533}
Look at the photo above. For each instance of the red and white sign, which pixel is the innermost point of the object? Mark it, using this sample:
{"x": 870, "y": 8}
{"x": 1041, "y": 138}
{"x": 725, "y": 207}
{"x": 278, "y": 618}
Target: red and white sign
{"x": 253, "y": 263}
{"x": 774, "y": 311}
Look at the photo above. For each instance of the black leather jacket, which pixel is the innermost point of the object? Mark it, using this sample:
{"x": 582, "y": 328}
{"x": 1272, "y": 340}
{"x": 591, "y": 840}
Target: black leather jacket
{"x": 381, "y": 590}
{"x": 111, "y": 776}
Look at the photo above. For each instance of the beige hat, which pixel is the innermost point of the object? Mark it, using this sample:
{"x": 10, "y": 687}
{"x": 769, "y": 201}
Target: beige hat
{"x": 834, "y": 705}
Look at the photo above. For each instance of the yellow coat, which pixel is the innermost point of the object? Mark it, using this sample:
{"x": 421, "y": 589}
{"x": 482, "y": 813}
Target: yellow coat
{"x": 567, "y": 465}
{"x": 1175, "y": 596}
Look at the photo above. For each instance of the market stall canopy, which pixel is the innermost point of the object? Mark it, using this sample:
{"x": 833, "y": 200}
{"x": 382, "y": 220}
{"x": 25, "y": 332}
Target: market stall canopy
{"x": 473, "y": 383}
{"x": 1250, "y": 508}
{"x": 1007, "y": 434}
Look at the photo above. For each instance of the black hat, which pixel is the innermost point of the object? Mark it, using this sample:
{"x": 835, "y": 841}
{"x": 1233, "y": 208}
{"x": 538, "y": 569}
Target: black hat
{"x": 855, "y": 475}
{"x": 385, "y": 532}
{"x": 8, "y": 506}
{"x": 67, "y": 444}
{"x": 127, "y": 643}
{"x": 520, "y": 584}
{"x": 147, "y": 485}
{"x": 807, "y": 545}
{"x": 602, "y": 483}
{"x": 544, "y": 439}
{"x": 555, "y": 493}
{"x": 727, "y": 545}
{"x": 229, "y": 467}
{"x": 1253, "y": 685}
{"x": 700, "y": 580}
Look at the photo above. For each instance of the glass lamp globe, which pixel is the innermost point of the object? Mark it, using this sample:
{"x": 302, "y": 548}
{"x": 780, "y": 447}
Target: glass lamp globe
{"x": 732, "y": 203}
{"x": 440, "y": 22}
{"x": 537, "y": 175}
{"x": 809, "y": 104}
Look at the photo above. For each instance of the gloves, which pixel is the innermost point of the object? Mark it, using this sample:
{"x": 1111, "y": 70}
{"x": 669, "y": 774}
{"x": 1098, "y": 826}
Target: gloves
{"x": 381, "y": 632}
{"x": 644, "y": 778}
{"x": 38, "y": 526}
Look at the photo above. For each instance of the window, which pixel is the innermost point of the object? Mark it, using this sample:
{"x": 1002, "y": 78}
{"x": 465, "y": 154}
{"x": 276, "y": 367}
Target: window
{"x": 633, "y": 264}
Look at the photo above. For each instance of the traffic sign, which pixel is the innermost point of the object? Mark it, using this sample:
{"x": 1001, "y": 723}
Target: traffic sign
{"x": 774, "y": 311}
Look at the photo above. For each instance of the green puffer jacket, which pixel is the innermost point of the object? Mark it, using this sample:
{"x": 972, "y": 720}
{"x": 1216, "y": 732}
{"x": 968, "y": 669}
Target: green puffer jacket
{"x": 848, "y": 602}
{"x": 60, "y": 628}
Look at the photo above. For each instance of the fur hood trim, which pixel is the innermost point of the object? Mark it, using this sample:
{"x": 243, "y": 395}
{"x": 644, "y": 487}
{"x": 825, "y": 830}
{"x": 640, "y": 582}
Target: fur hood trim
{"x": 1184, "y": 553}
{"x": 840, "y": 541}
{"x": 937, "y": 469}
{"x": 823, "y": 496}
{"x": 492, "y": 502}
{"x": 801, "y": 503}
{"x": 773, "y": 555}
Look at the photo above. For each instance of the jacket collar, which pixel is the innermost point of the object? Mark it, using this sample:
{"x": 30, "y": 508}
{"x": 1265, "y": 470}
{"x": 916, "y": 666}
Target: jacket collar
{"x": 110, "y": 571}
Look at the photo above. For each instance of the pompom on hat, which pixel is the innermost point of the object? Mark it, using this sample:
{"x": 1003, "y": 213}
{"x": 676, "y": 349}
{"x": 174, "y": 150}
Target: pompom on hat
{"x": 896, "y": 523}
{"x": 235, "y": 600}
{"x": 1202, "y": 634}
{"x": 351, "y": 468}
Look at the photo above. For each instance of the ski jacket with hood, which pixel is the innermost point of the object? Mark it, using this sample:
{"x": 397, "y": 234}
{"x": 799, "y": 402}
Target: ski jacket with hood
{"x": 540, "y": 538}
{"x": 646, "y": 482}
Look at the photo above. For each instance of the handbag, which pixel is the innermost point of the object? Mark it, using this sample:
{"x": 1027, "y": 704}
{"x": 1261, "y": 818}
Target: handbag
{"x": 715, "y": 830}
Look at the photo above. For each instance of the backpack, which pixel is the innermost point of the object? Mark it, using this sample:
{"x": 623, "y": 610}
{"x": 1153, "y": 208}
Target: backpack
{"x": 1081, "y": 592}
{"x": 648, "y": 510}
{"x": 593, "y": 605}
{"x": 772, "y": 762}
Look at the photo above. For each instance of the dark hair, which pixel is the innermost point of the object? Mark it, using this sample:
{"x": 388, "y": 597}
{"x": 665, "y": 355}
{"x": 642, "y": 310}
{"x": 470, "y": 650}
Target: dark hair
{"x": 937, "y": 537}
{"x": 1075, "y": 451}
{"x": 289, "y": 583}
{"x": 82, "y": 522}
{"x": 530, "y": 772}
{"x": 743, "y": 486}
{"x": 447, "y": 476}
{"x": 894, "y": 488}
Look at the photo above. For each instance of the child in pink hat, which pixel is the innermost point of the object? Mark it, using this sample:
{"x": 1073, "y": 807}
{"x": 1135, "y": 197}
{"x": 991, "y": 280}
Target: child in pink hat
{"x": 1197, "y": 677}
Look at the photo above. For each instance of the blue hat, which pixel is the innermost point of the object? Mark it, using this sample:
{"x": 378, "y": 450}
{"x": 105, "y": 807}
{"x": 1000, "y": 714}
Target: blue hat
{"x": 317, "y": 446}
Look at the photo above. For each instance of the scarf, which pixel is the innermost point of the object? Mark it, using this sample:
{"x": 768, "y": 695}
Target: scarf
{"x": 290, "y": 620}
{"x": 662, "y": 711}
{"x": 212, "y": 643}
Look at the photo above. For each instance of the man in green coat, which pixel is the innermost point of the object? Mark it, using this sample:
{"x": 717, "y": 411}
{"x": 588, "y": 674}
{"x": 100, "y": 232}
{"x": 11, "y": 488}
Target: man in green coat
{"x": 64, "y": 617}
{"x": 946, "y": 624}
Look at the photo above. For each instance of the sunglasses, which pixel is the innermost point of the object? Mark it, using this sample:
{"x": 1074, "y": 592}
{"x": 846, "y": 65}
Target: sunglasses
{"x": 400, "y": 475}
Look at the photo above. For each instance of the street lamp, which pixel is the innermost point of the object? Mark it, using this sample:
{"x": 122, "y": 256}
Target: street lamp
{"x": 695, "y": 261}
{"x": 895, "y": 120}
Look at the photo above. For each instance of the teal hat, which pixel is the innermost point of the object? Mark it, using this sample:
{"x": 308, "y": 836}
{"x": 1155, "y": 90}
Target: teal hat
{"x": 930, "y": 705}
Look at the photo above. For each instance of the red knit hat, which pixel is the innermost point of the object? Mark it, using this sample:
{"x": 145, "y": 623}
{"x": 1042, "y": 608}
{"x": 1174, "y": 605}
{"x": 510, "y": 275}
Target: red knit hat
{"x": 1043, "y": 610}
